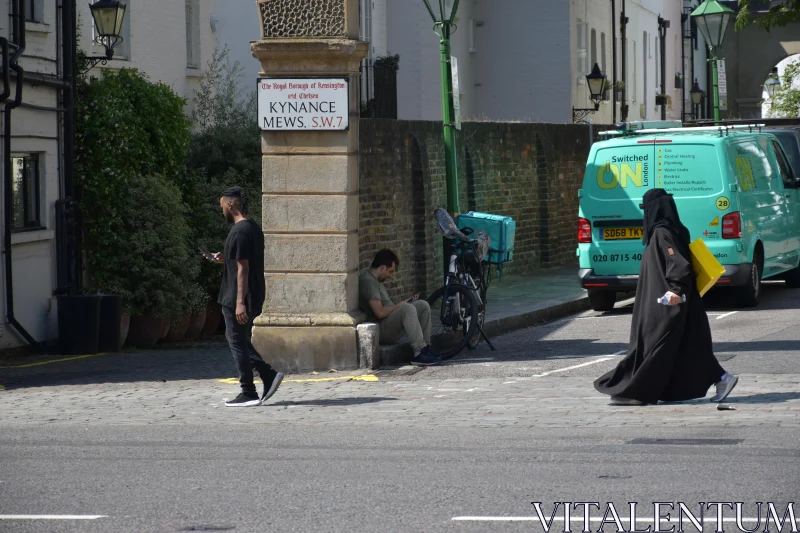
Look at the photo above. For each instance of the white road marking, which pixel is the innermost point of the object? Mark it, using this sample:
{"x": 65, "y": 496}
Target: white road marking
{"x": 581, "y": 356}
{"x": 51, "y": 517}
{"x": 579, "y": 519}
{"x": 727, "y": 314}
{"x": 573, "y": 367}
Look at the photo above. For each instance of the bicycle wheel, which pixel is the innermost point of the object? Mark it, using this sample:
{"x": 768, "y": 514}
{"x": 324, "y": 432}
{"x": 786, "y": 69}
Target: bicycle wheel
{"x": 475, "y": 338}
{"x": 454, "y": 316}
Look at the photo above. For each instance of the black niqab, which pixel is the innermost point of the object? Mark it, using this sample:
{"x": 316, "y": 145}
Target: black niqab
{"x": 660, "y": 211}
{"x": 670, "y": 353}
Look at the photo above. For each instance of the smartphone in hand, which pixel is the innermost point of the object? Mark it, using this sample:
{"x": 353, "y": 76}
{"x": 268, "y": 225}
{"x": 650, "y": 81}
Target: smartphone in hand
{"x": 208, "y": 255}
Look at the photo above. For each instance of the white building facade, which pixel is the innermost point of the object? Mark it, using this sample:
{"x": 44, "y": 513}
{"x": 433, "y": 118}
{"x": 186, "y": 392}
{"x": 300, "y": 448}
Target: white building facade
{"x": 517, "y": 59}
{"x": 35, "y": 176}
{"x": 527, "y": 61}
{"x": 169, "y": 41}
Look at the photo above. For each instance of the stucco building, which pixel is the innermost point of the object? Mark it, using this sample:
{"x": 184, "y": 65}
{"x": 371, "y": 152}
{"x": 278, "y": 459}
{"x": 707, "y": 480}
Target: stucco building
{"x": 169, "y": 41}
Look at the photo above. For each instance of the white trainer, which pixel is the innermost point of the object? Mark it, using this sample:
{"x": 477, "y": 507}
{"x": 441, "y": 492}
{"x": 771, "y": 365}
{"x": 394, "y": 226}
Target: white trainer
{"x": 617, "y": 400}
{"x": 724, "y": 387}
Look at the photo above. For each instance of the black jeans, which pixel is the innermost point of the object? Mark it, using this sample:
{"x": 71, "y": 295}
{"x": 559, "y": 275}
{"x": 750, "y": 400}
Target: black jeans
{"x": 244, "y": 354}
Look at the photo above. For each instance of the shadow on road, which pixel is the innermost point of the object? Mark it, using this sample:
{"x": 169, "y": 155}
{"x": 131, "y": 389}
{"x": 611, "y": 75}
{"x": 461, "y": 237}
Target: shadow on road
{"x": 770, "y": 397}
{"x": 337, "y": 402}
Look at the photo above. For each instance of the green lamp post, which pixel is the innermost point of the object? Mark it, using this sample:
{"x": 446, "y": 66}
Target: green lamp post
{"x": 443, "y": 26}
{"x": 712, "y": 20}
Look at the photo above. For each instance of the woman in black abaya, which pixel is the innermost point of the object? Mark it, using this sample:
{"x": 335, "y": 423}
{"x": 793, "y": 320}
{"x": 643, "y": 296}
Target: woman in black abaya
{"x": 670, "y": 356}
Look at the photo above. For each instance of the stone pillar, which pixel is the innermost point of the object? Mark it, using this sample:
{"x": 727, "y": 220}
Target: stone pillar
{"x": 310, "y": 194}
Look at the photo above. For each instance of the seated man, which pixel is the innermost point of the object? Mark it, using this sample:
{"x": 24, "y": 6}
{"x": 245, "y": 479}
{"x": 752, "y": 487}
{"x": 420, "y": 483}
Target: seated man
{"x": 411, "y": 317}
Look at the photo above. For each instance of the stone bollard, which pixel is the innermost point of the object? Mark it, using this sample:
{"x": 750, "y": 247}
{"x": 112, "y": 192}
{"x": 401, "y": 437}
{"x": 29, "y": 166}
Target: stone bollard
{"x": 368, "y": 343}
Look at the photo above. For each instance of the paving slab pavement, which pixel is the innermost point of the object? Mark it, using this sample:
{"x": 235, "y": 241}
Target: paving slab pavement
{"x": 188, "y": 386}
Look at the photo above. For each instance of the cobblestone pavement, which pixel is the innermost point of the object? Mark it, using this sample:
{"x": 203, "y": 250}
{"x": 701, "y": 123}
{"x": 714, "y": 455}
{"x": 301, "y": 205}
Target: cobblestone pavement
{"x": 187, "y": 385}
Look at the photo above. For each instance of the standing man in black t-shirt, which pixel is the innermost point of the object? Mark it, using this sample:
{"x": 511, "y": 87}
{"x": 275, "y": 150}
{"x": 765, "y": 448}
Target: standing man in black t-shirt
{"x": 241, "y": 296}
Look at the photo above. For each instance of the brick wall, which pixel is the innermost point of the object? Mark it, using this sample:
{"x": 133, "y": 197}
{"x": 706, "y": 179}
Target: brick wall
{"x": 530, "y": 172}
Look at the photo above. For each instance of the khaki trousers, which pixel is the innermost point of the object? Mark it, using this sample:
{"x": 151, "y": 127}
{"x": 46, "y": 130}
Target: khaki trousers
{"x": 413, "y": 321}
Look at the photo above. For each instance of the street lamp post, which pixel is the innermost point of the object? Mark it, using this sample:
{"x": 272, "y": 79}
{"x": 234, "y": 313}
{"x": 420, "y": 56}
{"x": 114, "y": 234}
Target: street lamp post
{"x": 596, "y": 81}
{"x": 108, "y": 16}
{"x": 712, "y": 19}
{"x": 697, "y": 98}
{"x": 443, "y": 26}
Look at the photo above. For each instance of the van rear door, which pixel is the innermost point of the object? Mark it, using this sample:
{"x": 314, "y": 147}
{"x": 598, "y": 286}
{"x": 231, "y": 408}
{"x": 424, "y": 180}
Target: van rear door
{"x": 614, "y": 184}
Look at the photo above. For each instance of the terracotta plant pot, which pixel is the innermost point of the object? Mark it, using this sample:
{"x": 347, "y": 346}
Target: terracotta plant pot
{"x": 165, "y": 324}
{"x": 124, "y": 326}
{"x": 145, "y": 330}
{"x": 196, "y": 324}
{"x": 213, "y": 318}
{"x": 177, "y": 329}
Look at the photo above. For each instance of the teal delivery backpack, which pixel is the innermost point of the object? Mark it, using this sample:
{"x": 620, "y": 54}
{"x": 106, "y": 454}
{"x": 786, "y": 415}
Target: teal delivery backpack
{"x": 501, "y": 230}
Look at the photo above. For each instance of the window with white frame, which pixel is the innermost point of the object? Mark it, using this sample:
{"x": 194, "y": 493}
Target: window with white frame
{"x": 34, "y": 10}
{"x": 365, "y": 34}
{"x": 192, "y": 33}
{"x": 25, "y": 192}
{"x": 634, "y": 78}
{"x": 645, "y": 56}
{"x": 603, "y": 53}
{"x": 582, "y": 33}
{"x": 366, "y": 26}
{"x": 123, "y": 49}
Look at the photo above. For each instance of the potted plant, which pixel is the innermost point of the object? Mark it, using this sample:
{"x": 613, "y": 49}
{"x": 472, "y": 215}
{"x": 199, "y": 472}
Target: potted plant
{"x": 607, "y": 86}
{"x": 151, "y": 266}
{"x": 664, "y": 99}
{"x": 678, "y": 80}
{"x": 198, "y": 300}
{"x": 619, "y": 86}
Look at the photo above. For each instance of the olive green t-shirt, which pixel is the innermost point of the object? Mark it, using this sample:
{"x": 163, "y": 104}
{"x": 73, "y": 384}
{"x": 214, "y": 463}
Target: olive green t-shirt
{"x": 369, "y": 288}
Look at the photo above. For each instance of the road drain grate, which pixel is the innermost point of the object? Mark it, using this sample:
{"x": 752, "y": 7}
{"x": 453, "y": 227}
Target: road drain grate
{"x": 689, "y": 442}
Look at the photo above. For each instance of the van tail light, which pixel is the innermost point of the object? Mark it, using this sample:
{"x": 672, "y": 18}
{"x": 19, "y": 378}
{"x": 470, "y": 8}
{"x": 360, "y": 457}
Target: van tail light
{"x": 584, "y": 231}
{"x": 732, "y": 226}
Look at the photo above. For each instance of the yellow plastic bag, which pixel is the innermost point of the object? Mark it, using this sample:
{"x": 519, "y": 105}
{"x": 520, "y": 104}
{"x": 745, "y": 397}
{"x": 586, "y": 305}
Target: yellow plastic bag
{"x": 706, "y": 267}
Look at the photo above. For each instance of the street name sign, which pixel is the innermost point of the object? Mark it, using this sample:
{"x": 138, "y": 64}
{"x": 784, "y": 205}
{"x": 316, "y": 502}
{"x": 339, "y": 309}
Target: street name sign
{"x": 722, "y": 83}
{"x": 303, "y": 104}
{"x": 456, "y": 91}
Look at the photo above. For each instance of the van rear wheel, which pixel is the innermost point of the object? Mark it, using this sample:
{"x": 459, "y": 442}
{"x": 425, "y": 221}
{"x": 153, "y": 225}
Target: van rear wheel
{"x": 602, "y": 300}
{"x": 749, "y": 293}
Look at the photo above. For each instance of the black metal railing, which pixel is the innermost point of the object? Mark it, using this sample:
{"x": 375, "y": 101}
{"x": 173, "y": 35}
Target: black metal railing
{"x": 378, "y": 92}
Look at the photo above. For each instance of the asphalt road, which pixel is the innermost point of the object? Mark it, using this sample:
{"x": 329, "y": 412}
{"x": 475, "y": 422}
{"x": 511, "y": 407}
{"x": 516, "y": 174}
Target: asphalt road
{"x": 465, "y": 447}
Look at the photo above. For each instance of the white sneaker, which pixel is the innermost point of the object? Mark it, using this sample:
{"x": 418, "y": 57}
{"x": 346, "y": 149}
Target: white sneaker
{"x": 724, "y": 387}
{"x": 617, "y": 400}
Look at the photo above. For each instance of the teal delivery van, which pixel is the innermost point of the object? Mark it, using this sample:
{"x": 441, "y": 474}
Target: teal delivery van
{"x": 733, "y": 187}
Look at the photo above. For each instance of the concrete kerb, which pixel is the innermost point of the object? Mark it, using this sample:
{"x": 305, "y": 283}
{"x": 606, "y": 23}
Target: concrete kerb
{"x": 400, "y": 354}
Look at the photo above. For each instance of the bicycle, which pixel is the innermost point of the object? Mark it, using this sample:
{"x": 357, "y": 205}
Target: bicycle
{"x": 459, "y": 307}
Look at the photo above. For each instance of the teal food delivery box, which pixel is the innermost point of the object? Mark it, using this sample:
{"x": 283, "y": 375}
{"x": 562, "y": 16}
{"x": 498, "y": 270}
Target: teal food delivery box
{"x": 501, "y": 230}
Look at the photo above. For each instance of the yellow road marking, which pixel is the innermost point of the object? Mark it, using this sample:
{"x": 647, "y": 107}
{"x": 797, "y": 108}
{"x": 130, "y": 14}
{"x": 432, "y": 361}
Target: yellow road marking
{"x": 363, "y": 377}
{"x": 56, "y": 360}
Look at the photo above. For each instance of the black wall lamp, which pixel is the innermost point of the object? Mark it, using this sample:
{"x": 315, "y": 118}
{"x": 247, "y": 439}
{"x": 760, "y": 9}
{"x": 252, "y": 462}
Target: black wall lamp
{"x": 108, "y": 16}
{"x": 597, "y": 83}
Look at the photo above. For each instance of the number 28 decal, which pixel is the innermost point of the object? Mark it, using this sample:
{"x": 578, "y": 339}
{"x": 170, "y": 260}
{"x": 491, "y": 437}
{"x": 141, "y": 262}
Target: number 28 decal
{"x": 723, "y": 203}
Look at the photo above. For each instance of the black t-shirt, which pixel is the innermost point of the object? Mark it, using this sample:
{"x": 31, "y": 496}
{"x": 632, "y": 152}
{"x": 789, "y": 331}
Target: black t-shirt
{"x": 245, "y": 241}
